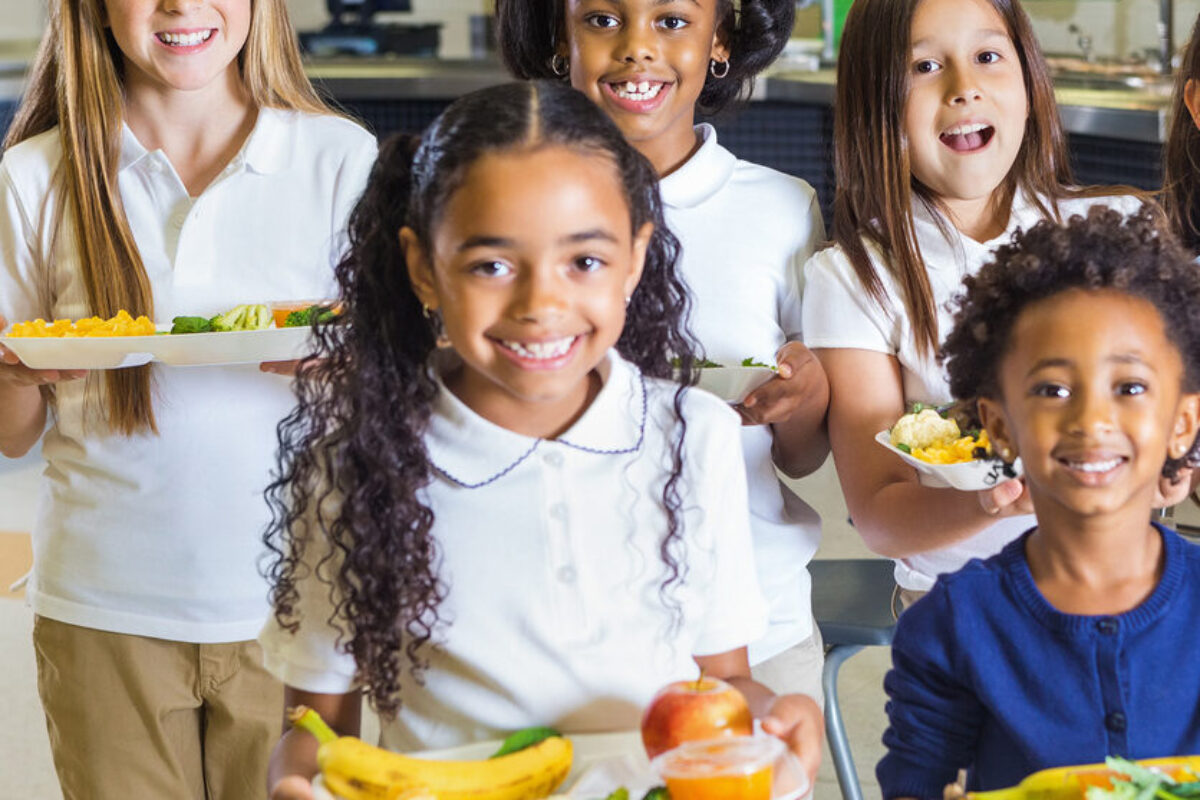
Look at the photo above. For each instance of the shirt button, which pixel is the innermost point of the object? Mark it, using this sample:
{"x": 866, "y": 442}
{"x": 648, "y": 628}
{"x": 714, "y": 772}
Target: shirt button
{"x": 558, "y": 511}
{"x": 554, "y": 459}
{"x": 566, "y": 574}
{"x": 1107, "y": 626}
{"x": 1115, "y": 722}
{"x": 177, "y": 221}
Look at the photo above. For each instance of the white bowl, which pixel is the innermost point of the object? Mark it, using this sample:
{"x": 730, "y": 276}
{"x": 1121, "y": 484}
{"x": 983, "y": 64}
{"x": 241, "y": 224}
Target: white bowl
{"x": 732, "y": 384}
{"x": 969, "y": 476}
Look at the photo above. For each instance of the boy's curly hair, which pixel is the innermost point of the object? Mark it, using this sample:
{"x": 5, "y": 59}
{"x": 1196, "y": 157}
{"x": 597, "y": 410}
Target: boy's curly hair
{"x": 1135, "y": 255}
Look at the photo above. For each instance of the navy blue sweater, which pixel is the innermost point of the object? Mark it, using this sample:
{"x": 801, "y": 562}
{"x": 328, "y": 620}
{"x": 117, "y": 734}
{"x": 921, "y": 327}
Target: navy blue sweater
{"x": 987, "y": 675}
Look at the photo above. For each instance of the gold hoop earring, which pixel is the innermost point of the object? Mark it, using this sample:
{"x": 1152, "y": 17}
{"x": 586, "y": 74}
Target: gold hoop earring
{"x": 718, "y": 69}
{"x": 559, "y": 65}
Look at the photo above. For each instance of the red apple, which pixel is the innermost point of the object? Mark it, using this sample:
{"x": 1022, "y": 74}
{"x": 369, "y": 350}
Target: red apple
{"x": 686, "y": 711}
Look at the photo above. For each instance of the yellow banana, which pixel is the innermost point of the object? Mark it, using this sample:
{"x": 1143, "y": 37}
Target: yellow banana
{"x": 1070, "y": 783}
{"x": 354, "y": 770}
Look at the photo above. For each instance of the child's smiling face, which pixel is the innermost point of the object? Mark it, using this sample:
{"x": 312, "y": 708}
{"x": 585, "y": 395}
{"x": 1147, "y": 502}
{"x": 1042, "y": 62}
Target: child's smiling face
{"x": 1091, "y": 400}
{"x": 965, "y": 114}
{"x": 533, "y": 259}
{"x": 644, "y": 62}
{"x": 178, "y": 46}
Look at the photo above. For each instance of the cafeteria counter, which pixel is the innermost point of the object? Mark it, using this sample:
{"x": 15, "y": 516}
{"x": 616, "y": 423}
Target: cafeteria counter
{"x": 1115, "y": 134}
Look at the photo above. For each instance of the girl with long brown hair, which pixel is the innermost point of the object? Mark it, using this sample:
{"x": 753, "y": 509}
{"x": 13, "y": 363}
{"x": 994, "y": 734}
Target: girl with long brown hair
{"x": 947, "y": 140}
{"x": 168, "y": 158}
{"x": 1181, "y": 168}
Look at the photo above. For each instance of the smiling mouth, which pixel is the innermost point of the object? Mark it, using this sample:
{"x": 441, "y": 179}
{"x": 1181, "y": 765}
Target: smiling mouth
{"x": 968, "y": 138}
{"x": 637, "y": 91}
{"x": 185, "y": 39}
{"x": 546, "y": 350}
{"x": 1094, "y": 466}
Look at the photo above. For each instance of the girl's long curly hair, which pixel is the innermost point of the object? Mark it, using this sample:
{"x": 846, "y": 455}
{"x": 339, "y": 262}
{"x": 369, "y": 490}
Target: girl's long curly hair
{"x": 1133, "y": 255}
{"x": 529, "y": 33}
{"x": 352, "y": 464}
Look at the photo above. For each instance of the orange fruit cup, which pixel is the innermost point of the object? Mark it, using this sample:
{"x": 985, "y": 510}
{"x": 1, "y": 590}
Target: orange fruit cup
{"x": 730, "y": 768}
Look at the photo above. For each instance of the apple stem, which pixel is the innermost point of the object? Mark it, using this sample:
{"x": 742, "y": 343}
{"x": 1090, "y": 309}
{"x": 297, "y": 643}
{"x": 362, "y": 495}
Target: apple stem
{"x": 700, "y": 680}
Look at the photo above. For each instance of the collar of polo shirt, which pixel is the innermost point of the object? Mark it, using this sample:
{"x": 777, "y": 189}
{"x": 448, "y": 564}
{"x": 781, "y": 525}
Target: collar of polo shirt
{"x": 266, "y": 150}
{"x": 472, "y": 452}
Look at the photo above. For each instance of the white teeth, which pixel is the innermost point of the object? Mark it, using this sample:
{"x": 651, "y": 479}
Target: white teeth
{"x": 1094, "y": 466}
{"x": 644, "y": 90}
{"x": 185, "y": 39}
{"x": 541, "y": 350}
{"x": 963, "y": 130}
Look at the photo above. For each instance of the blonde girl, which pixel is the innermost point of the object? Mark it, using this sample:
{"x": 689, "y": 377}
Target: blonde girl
{"x": 169, "y": 157}
{"x": 947, "y": 141}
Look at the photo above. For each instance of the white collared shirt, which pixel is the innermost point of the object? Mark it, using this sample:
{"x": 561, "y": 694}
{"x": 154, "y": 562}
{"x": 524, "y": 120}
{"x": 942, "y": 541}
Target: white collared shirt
{"x": 161, "y": 535}
{"x": 838, "y": 313}
{"x": 549, "y": 550}
{"x": 746, "y": 232}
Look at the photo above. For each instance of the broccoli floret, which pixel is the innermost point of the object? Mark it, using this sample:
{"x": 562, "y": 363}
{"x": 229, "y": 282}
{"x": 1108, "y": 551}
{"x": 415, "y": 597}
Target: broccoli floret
{"x": 243, "y": 318}
{"x": 191, "y": 325}
{"x": 304, "y": 318}
{"x": 657, "y": 793}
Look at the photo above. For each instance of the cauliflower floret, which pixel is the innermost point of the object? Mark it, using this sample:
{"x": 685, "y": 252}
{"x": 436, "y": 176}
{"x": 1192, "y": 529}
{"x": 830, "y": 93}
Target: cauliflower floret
{"x": 924, "y": 429}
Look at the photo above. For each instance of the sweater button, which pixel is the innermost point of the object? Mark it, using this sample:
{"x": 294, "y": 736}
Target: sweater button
{"x": 1107, "y": 626}
{"x": 1115, "y": 722}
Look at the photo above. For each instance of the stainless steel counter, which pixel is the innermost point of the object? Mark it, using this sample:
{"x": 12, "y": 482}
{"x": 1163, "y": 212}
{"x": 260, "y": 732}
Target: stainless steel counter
{"x": 1128, "y": 114}
{"x": 1125, "y": 114}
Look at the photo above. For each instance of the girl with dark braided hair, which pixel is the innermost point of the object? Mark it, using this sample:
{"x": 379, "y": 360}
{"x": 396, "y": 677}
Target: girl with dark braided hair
{"x": 496, "y": 506}
{"x": 745, "y": 230}
{"x": 1081, "y": 342}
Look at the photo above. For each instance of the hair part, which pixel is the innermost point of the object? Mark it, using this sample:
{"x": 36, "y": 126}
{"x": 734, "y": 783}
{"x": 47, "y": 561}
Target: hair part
{"x": 356, "y": 437}
{"x": 1181, "y": 155}
{"x": 876, "y": 191}
{"x": 76, "y": 85}
{"x": 1104, "y": 251}
{"x": 530, "y": 32}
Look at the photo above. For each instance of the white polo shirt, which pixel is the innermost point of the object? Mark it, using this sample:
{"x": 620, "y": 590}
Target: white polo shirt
{"x": 746, "y": 232}
{"x": 838, "y": 313}
{"x": 161, "y": 535}
{"x": 549, "y": 550}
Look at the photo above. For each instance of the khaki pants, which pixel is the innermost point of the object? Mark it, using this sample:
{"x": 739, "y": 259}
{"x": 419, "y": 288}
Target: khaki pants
{"x": 132, "y": 717}
{"x": 902, "y": 599}
{"x": 796, "y": 670}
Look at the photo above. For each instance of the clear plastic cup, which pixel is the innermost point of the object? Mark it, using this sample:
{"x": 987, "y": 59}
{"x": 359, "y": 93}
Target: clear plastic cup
{"x": 730, "y": 768}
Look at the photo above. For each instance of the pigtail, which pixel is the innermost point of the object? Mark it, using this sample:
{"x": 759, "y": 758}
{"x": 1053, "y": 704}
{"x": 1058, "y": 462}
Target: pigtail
{"x": 657, "y": 340}
{"x": 755, "y": 35}
{"x": 352, "y": 455}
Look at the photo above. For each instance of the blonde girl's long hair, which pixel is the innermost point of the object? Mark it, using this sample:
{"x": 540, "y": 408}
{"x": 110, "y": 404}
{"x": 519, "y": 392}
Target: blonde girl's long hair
{"x": 875, "y": 188}
{"x": 76, "y": 84}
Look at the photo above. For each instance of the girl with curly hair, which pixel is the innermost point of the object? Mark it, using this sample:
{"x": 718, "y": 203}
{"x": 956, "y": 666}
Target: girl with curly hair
{"x": 947, "y": 140}
{"x": 745, "y": 231}
{"x": 1082, "y": 343}
{"x": 486, "y": 516}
